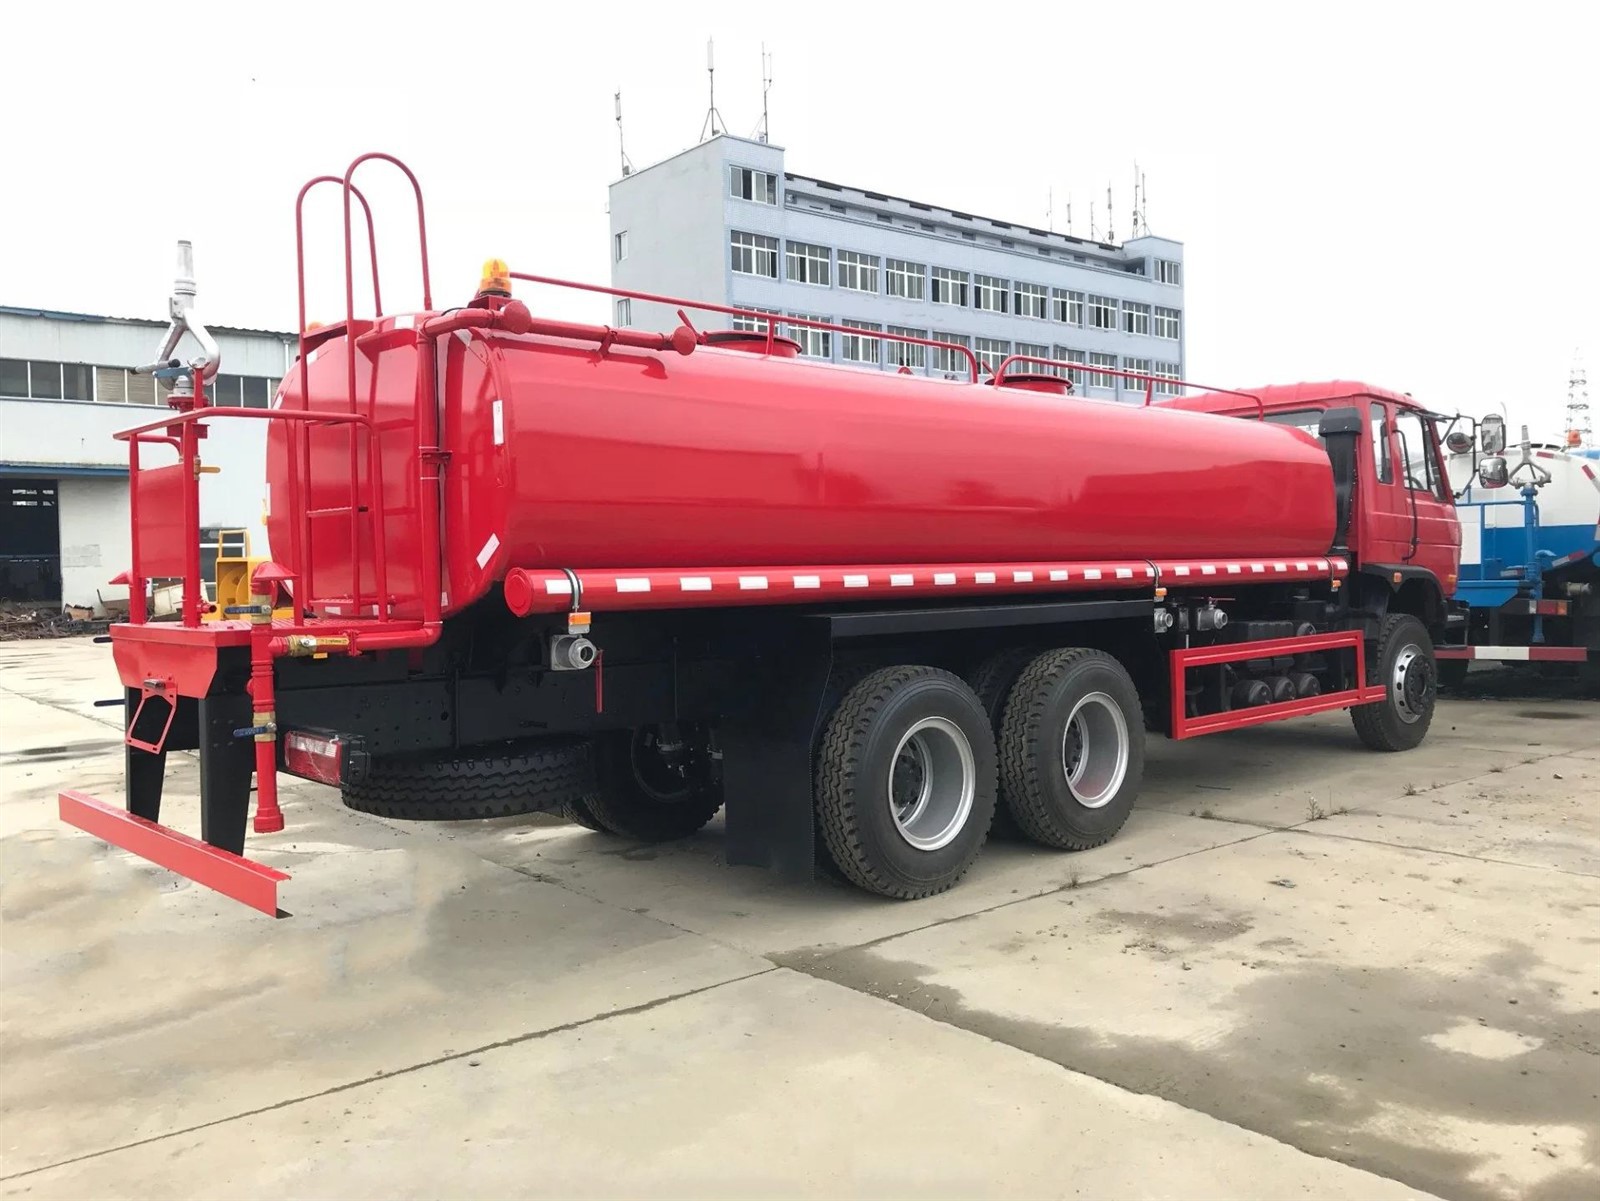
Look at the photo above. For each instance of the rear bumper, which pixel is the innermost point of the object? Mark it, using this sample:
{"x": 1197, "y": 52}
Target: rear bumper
{"x": 246, "y": 881}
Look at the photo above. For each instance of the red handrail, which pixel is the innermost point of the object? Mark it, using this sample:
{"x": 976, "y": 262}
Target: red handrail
{"x": 770, "y": 320}
{"x": 1147, "y": 378}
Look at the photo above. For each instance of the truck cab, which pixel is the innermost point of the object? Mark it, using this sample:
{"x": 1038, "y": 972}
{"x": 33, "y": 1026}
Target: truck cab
{"x": 1396, "y": 510}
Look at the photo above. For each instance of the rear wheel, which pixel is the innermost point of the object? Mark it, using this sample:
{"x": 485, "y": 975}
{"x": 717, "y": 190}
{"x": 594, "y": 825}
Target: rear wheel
{"x": 476, "y": 783}
{"x": 905, "y": 784}
{"x": 653, "y": 784}
{"x": 1404, "y": 666}
{"x": 1072, "y": 748}
{"x": 992, "y": 680}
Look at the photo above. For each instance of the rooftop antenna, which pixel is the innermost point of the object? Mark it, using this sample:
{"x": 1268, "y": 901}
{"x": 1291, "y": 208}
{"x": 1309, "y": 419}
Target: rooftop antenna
{"x": 1050, "y": 209}
{"x": 713, "y": 117}
{"x": 627, "y": 164}
{"x": 766, "y": 86}
{"x": 1092, "y": 236}
{"x": 1069, "y": 214}
{"x": 1134, "y": 232}
{"x": 1110, "y": 216}
{"x": 1578, "y": 432}
{"x": 1144, "y": 203}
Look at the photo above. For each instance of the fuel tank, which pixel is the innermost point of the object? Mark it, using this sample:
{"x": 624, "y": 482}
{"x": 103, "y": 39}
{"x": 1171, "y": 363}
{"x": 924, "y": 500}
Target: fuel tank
{"x": 564, "y": 456}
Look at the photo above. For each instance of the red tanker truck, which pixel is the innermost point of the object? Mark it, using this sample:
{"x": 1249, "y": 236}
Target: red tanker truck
{"x": 522, "y": 565}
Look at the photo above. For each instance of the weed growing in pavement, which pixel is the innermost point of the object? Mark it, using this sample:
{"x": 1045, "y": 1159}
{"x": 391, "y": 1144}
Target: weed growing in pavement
{"x": 1412, "y": 790}
{"x": 1497, "y": 767}
{"x": 1207, "y": 814}
{"x": 1314, "y": 811}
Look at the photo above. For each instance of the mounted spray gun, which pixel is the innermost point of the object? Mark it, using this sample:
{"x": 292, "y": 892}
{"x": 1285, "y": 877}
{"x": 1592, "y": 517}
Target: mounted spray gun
{"x": 1528, "y": 477}
{"x": 187, "y": 380}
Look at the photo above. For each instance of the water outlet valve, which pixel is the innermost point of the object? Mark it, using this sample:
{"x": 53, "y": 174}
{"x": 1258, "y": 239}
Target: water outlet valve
{"x": 571, "y": 652}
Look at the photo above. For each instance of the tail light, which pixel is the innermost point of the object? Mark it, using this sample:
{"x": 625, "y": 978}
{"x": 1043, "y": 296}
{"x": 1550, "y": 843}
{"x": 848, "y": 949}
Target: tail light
{"x": 314, "y": 756}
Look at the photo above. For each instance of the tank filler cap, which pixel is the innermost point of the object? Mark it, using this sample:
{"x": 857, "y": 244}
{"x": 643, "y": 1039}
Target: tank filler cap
{"x": 752, "y": 342}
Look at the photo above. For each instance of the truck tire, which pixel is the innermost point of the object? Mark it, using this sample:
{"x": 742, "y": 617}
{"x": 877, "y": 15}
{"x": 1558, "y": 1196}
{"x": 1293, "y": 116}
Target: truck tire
{"x": 1403, "y": 663}
{"x": 474, "y": 783}
{"x": 905, "y": 783}
{"x": 992, "y": 680}
{"x": 643, "y": 794}
{"x": 1072, "y": 748}
{"x": 577, "y": 812}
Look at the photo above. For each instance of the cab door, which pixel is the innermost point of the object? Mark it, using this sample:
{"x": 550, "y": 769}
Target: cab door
{"x": 1411, "y": 519}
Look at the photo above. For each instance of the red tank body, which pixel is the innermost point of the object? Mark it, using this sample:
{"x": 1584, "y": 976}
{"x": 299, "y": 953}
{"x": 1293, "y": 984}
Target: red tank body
{"x": 561, "y": 456}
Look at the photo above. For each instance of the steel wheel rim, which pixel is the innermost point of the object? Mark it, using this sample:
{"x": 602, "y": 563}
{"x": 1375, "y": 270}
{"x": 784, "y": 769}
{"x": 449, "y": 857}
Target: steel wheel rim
{"x": 1409, "y": 684}
{"x": 1094, "y": 750}
{"x": 932, "y": 782}
{"x": 658, "y": 779}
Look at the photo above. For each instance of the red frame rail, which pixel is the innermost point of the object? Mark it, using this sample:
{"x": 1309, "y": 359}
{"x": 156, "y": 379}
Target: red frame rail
{"x": 246, "y": 881}
{"x": 1184, "y": 726}
{"x": 182, "y": 432}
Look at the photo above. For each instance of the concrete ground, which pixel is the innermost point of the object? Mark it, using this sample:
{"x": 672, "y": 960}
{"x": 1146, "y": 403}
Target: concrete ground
{"x": 1302, "y": 970}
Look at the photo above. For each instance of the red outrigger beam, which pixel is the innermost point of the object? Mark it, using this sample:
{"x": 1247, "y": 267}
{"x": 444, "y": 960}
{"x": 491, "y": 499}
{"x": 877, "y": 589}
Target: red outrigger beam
{"x": 246, "y": 881}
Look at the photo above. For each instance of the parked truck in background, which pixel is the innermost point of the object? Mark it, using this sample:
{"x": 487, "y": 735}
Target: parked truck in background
{"x": 1530, "y": 554}
{"x": 642, "y": 577}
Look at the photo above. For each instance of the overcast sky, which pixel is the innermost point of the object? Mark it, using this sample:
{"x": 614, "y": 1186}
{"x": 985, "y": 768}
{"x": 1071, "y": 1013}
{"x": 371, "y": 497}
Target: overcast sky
{"x": 1400, "y": 192}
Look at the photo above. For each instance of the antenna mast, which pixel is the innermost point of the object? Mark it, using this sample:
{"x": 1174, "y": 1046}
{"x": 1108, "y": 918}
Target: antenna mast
{"x": 1092, "y": 236}
{"x": 1050, "y": 209}
{"x": 1134, "y": 232}
{"x": 1144, "y": 203}
{"x": 1578, "y": 432}
{"x": 713, "y": 117}
{"x": 1110, "y": 216}
{"x": 1069, "y": 214}
{"x": 627, "y": 165}
{"x": 766, "y": 86}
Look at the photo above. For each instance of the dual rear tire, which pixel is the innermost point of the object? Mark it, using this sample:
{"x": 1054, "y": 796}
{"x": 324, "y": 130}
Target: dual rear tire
{"x": 914, "y": 762}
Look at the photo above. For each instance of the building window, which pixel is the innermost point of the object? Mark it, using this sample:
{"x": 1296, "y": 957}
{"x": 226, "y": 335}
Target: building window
{"x": 624, "y": 311}
{"x": 855, "y": 349}
{"x": 1068, "y": 307}
{"x": 1102, "y": 313}
{"x": 814, "y": 343}
{"x": 804, "y": 263}
{"x": 1032, "y": 350}
{"x": 754, "y": 254}
{"x": 1168, "y": 272}
{"x": 1031, "y": 300}
{"x": 858, "y": 272}
{"x": 241, "y": 391}
{"x": 989, "y": 293}
{"x": 1102, "y": 379}
{"x": 949, "y": 361}
{"x": 992, "y": 352}
{"x": 904, "y": 279}
{"x": 754, "y": 324}
{"x": 1167, "y": 384}
{"x": 906, "y": 354}
{"x": 1166, "y": 323}
{"x": 949, "y": 287}
{"x": 747, "y": 184}
{"x": 1135, "y": 318}
{"x": 620, "y": 244}
{"x": 1135, "y": 387}
{"x": 1068, "y": 355}
{"x": 43, "y": 380}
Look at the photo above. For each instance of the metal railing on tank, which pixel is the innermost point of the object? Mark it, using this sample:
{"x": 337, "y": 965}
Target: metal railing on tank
{"x": 1150, "y": 380}
{"x": 765, "y": 323}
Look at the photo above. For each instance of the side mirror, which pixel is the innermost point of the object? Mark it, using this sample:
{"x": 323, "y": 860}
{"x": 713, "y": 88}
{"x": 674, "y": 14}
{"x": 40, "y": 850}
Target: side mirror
{"x": 1458, "y": 442}
{"x": 1492, "y": 472}
{"x": 1492, "y": 434}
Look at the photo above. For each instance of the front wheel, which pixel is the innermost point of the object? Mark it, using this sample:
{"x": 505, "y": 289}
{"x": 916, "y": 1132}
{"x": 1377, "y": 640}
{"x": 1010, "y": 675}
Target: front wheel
{"x": 1406, "y": 671}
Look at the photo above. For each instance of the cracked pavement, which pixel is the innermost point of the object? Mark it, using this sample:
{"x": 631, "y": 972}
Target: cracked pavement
{"x": 1301, "y": 970}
